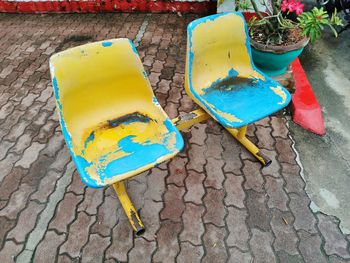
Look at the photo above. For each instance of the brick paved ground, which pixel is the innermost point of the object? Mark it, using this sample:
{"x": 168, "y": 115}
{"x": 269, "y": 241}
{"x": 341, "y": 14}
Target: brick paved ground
{"x": 211, "y": 203}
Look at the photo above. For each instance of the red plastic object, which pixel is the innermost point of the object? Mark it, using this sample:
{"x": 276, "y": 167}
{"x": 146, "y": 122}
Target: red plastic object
{"x": 306, "y": 109}
{"x": 92, "y": 6}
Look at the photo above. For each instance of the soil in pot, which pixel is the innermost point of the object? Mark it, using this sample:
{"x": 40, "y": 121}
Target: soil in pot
{"x": 275, "y": 59}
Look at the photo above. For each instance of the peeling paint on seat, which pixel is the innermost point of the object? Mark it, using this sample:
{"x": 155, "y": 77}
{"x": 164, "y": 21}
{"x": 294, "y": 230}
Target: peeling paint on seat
{"x": 221, "y": 77}
{"x": 112, "y": 123}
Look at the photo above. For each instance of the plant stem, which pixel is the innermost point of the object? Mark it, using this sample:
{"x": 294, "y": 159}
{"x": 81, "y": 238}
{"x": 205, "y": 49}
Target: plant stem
{"x": 268, "y": 24}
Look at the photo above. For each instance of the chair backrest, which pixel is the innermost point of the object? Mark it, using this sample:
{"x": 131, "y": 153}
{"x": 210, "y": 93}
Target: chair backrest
{"x": 96, "y": 83}
{"x": 217, "y": 46}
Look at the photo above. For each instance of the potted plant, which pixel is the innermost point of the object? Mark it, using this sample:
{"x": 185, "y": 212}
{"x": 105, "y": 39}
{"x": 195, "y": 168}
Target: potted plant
{"x": 280, "y": 34}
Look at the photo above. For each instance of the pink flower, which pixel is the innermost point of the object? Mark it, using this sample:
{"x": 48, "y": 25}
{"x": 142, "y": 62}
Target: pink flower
{"x": 291, "y": 6}
{"x": 299, "y": 8}
{"x": 284, "y": 5}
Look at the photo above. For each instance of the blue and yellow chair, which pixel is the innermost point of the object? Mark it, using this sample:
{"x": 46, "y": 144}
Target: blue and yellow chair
{"x": 110, "y": 118}
{"x": 222, "y": 79}
{"x": 115, "y": 128}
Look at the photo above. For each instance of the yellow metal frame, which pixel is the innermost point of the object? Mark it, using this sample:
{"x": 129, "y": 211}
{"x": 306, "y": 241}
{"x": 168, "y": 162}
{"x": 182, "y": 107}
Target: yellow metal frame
{"x": 184, "y": 122}
{"x": 200, "y": 115}
{"x": 128, "y": 207}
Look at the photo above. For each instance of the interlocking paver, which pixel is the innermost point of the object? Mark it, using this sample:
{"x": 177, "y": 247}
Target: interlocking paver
{"x": 78, "y": 235}
{"x": 190, "y": 253}
{"x": 215, "y": 208}
{"x": 335, "y": 242}
{"x": 215, "y": 248}
{"x": 167, "y": 242}
{"x": 285, "y": 236}
{"x": 9, "y": 251}
{"x": 310, "y": 247}
{"x": 122, "y": 242}
{"x": 304, "y": 219}
{"x": 65, "y": 213}
{"x": 261, "y": 246}
{"x": 26, "y": 222}
{"x": 215, "y": 175}
{"x": 253, "y": 177}
{"x": 257, "y": 210}
{"x": 48, "y": 247}
{"x": 193, "y": 227}
{"x": 211, "y": 203}
{"x": 238, "y": 230}
{"x": 235, "y": 194}
{"x": 237, "y": 256}
{"x": 277, "y": 197}
{"x": 173, "y": 204}
{"x": 94, "y": 249}
{"x": 195, "y": 188}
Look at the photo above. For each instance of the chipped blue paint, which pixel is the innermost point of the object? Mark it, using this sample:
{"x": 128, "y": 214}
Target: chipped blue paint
{"x": 248, "y": 103}
{"x": 89, "y": 139}
{"x": 144, "y": 73}
{"x": 139, "y": 155}
{"x": 133, "y": 47}
{"x": 65, "y": 132}
{"x": 107, "y": 43}
{"x": 155, "y": 101}
{"x": 179, "y": 140}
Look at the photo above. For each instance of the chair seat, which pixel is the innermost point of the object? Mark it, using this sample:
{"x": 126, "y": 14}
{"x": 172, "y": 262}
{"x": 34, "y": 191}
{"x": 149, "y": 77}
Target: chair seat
{"x": 126, "y": 147}
{"x": 236, "y": 101}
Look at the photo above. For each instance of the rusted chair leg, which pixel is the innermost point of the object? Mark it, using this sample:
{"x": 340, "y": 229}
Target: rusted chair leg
{"x": 240, "y": 135}
{"x": 129, "y": 209}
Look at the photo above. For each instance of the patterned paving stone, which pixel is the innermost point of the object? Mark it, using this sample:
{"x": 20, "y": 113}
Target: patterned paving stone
{"x": 78, "y": 235}
{"x": 212, "y": 203}
{"x": 142, "y": 250}
{"x": 277, "y": 197}
{"x": 335, "y": 242}
{"x": 168, "y": 243}
{"x": 285, "y": 236}
{"x": 238, "y": 230}
{"x": 215, "y": 209}
{"x": 106, "y": 217}
{"x": 304, "y": 219}
{"x": 190, "y": 253}
{"x": 173, "y": 204}
{"x": 237, "y": 256}
{"x": 195, "y": 188}
{"x": 65, "y": 212}
{"x": 215, "y": 175}
{"x": 310, "y": 247}
{"x": 261, "y": 246}
{"x": 235, "y": 194}
{"x": 48, "y": 247}
{"x": 119, "y": 250}
{"x": 193, "y": 227}
{"x": 26, "y": 222}
{"x": 257, "y": 212}
{"x": 253, "y": 176}
{"x": 156, "y": 184}
{"x": 214, "y": 244}
{"x": 9, "y": 251}
{"x": 177, "y": 171}
{"x": 93, "y": 252}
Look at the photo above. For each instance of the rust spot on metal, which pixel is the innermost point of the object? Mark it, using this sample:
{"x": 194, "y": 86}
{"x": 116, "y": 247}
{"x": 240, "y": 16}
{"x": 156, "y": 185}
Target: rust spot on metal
{"x": 129, "y": 118}
{"x": 232, "y": 83}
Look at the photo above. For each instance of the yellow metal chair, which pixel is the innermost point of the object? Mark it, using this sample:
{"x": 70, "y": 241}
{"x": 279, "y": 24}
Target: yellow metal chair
{"x": 113, "y": 124}
{"x": 110, "y": 118}
{"x": 222, "y": 79}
